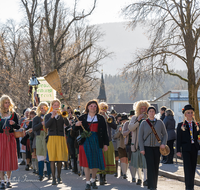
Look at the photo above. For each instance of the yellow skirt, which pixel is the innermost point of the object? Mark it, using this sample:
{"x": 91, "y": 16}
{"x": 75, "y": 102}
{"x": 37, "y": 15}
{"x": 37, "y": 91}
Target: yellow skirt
{"x": 57, "y": 148}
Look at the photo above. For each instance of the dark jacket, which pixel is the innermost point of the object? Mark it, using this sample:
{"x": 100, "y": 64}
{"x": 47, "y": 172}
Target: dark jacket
{"x": 184, "y": 139}
{"x": 12, "y": 127}
{"x": 37, "y": 124}
{"x": 102, "y": 129}
{"x": 170, "y": 127}
{"x": 162, "y": 116}
{"x": 55, "y": 126}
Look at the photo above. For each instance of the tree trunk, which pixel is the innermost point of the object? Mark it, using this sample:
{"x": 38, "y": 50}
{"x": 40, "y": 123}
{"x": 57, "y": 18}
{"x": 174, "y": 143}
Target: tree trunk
{"x": 193, "y": 92}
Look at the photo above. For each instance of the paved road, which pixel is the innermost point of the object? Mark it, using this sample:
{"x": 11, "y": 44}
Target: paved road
{"x": 22, "y": 179}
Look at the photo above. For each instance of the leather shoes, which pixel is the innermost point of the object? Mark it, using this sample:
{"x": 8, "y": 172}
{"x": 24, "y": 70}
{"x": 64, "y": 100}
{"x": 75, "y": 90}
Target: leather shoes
{"x": 27, "y": 167}
{"x": 59, "y": 180}
{"x": 8, "y": 185}
{"x": 49, "y": 177}
{"x": 115, "y": 175}
{"x": 22, "y": 163}
{"x": 2, "y": 186}
{"x": 139, "y": 182}
{"x": 94, "y": 186}
{"x": 87, "y": 187}
{"x": 54, "y": 181}
{"x": 40, "y": 178}
{"x": 124, "y": 176}
{"x": 133, "y": 180}
{"x": 145, "y": 183}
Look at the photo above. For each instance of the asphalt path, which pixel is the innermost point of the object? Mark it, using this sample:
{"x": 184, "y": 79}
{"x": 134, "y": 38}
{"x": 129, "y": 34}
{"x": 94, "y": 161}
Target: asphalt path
{"x": 22, "y": 179}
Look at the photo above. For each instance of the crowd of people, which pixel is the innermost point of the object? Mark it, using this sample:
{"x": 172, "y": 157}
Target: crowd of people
{"x": 95, "y": 142}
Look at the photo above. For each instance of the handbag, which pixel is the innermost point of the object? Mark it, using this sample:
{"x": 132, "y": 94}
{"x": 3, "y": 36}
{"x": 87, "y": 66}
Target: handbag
{"x": 164, "y": 151}
{"x": 24, "y": 139}
{"x": 82, "y": 137}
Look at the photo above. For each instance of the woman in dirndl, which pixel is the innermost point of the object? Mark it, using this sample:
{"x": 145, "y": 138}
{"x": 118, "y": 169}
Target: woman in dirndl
{"x": 110, "y": 154}
{"x": 40, "y": 146}
{"x": 91, "y": 155}
{"x": 8, "y": 147}
{"x": 56, "y": 145}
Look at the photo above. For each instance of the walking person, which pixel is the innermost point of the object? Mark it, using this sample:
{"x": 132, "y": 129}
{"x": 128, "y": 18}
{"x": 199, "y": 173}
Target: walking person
{"x": 187, "y": 136}
{"x": 127, "y": 134}
{"x": 8, "y": 147}
{"x": 23, "y": 125}
{"x": 114, "y": 141}
{"x": 149, "y": 145}
{"x": 170, "y": 123}
{"x": 91, "y": 155}
{"x": 110, "y": 154}
{"x": 56, "y": 145}
{"x": 121, "y": 146}
{"x": 138, "y": 161}
{"x": 40, "y": 144}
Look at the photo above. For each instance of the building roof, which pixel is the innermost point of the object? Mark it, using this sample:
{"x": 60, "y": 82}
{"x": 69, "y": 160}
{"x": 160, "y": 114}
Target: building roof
{"x": 102, "y": 92}
{"x": 120, "y": 108}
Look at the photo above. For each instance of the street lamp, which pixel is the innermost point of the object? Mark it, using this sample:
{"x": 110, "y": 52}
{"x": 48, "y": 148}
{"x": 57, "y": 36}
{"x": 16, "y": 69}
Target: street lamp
{"x": 79, "y": 98}
{"x": 33, "y": 83}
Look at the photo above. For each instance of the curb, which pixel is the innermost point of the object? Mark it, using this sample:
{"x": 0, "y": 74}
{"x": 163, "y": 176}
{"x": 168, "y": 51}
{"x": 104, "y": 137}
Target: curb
{"x": 175, "y": 176}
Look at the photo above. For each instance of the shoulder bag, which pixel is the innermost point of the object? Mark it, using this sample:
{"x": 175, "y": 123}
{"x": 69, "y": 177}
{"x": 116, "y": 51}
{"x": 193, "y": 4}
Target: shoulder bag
{"x": 164, "y": 151}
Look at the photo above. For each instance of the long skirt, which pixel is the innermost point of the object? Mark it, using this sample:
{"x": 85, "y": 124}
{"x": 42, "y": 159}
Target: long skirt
{"x": 90, "y": 155}
{"x": 138, "y": 160}
{"x": 57, "y": 148}
{"x": 8, "y": 152}
{"x": 41, "y": 146}
{"x": 110, "y": 160}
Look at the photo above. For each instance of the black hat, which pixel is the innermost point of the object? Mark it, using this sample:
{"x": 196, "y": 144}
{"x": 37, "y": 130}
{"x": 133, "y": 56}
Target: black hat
{"x": 151, "y": 107}
{"x": 124, "y": 117}
{"x": 132, "y": 112}
{"x": 77, "y": 112}
{"x": 187, "y": 107}
{"x": 113, "y": 112}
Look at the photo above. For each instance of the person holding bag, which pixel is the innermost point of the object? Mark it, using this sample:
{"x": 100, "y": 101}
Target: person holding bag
{"x": 8, "y": 147}
{"x": 91, "y": 155}
{"x": 152, "y": 137}
{"x": 187, "y": 139}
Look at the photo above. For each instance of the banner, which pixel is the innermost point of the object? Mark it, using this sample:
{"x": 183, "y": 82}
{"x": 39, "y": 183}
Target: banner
{"x": 45, "y": 91}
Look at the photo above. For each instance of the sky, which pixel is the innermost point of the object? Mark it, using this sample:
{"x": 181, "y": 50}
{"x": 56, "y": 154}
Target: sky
{"x": 106, "y": 11}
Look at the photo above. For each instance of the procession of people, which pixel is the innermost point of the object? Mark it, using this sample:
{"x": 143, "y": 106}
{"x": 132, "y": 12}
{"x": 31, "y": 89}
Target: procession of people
{"x": 95, "y": 142}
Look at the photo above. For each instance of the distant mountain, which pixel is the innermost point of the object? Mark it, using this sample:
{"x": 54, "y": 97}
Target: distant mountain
{"x": 123, "y": 42}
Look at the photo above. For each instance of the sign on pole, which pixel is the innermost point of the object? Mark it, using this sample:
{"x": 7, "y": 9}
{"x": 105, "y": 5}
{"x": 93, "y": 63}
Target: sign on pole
{"x": 45, "y": 91}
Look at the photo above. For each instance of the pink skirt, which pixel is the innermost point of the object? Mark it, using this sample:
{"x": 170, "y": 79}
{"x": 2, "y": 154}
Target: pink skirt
{"x": 8, "y": 152}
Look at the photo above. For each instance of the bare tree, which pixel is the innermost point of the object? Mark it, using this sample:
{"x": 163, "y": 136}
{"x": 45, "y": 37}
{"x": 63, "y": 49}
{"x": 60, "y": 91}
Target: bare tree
{"x": 34, "y": 37}
{"x": 56, "y": 38}
{"x": 174, "y": 33}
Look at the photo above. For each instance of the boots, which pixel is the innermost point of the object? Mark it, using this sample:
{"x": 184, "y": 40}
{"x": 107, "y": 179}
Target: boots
{"x": 104, "y": 178}
{"x": 101, "y": 179}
